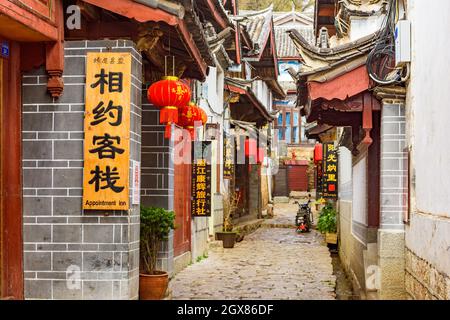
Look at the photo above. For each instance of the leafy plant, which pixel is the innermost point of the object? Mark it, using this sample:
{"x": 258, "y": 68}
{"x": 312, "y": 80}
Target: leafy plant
{"x": 320, "y": 201}
{"x": 230, "y": 204}
{"x": 327, "y": 219}
{"x": 156, "y": 224}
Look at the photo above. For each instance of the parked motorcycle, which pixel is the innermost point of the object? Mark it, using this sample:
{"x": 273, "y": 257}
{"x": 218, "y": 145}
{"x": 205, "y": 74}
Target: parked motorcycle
{"x": 304, "y": 217}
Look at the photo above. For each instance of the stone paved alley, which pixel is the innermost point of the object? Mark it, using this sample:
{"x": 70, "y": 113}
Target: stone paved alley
{"x": 271, "y": 263}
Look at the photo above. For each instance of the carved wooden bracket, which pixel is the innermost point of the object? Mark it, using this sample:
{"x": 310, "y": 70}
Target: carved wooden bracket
{"x": 150, "y": 43}
{"x": 54, "y": 54}
{"x": 367, "y": 122}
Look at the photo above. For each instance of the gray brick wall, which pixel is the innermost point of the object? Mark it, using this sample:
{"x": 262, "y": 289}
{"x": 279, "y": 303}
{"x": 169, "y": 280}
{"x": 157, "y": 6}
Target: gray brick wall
{"x": 157, "y": 172}
{"x": 393, "y": 142}
{"x": 102, "y": 246}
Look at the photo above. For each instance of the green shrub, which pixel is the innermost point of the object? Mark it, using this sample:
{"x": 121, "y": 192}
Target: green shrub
{"x": 156, "y": 224}
{"x": 327, "y": 219}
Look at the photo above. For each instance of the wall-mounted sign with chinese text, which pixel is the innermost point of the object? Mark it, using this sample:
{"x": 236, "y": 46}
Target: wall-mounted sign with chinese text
{"x": 330, "y": 172}
{"x": 228, "y": 157}
{"x": 107, "y": 131}
{"x": 201, "y": 179}
{"x": 136, "y": 194}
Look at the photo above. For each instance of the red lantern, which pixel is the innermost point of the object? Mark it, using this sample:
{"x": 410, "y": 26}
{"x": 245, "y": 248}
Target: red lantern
{"x": 318, "y": 149}
{"x": 251, "y": 148}
{"x": 169, "y": 94}
{"x": 261, "y": 155}
{"x": 187, "y": 117}
{"x": 203, "y": 116}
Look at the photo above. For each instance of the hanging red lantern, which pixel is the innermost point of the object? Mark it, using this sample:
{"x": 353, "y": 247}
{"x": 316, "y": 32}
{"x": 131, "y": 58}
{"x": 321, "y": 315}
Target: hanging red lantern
{"x": 203, "y": 116}
{"x": 251, "y": 148}
{"x": 261, "y": 155}
{"x": 187, "y": 116}
{"x": 318, "y": 149}
{"x": 168, "y": 95}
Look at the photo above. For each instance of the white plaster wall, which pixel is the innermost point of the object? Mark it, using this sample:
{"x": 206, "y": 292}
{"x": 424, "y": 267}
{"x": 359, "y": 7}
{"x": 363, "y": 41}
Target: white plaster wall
{"x": 263, "y": 93}
{"x": 428, "y": 118}
{"x": 361, "y": 27}
{"x": 428, "y": 103}
{"x": 345, "y": 165}
{"x": 359, "y": 213}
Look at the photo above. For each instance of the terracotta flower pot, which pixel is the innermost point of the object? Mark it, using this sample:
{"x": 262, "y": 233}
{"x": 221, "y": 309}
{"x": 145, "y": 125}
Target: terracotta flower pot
{"x": 153, "y": 286}
{"x": 229, "y": 239}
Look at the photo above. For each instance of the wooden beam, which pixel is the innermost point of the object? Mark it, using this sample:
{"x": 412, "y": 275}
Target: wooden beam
{"x": 25, "y": 24}
{"x": 55, "y": 56}
{"x": 11, "y": 176}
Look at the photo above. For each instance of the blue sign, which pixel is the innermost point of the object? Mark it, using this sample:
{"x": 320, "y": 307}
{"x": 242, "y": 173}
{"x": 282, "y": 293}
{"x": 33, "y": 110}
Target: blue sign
{"x": 5, "y": 49}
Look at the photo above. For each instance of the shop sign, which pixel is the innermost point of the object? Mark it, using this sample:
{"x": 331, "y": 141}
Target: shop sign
{"x": 228, "y": 157}
{"x": 136, "y": 197}
{"x": 107, "y": 131}
{"x": 330, "y": 172}
{"x": 201, "y": 179}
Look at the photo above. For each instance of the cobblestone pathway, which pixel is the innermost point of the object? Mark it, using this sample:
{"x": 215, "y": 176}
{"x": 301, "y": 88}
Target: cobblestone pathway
{"x": 271, "y": 263}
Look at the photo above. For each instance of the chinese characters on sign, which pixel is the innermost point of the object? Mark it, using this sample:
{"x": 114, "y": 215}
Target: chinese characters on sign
{"x": 201, "y": 179}
{"x": 107, "y": 131}
{"x": 228, "y": 157}
{"x": 330, "y": 172}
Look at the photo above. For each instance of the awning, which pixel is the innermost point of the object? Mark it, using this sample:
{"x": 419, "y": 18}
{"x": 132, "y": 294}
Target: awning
{"x": 248, "y": 107}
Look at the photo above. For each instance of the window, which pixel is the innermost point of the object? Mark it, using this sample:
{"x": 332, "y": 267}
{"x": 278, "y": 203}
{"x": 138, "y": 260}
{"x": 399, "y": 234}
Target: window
{"x": 280, "y": 119}
{"x": 295, "y": 119}
{"x": 280, "y": 133}
{"x": 288, "y": 134}
{"x": 288, "y": 119}
{"x": 295, "y": 134}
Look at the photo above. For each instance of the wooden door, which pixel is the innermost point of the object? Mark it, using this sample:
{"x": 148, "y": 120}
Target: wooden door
{"x": 281, "y": 183}
{"x": 182, "y": 207}
{"x": 298, "y": 178}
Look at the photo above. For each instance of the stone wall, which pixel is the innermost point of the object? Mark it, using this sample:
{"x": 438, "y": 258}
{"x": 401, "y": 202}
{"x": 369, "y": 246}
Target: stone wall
{"x": 424, "y": 281}
{"x": 391, "y": 234}
{"x": 68, "y": 253}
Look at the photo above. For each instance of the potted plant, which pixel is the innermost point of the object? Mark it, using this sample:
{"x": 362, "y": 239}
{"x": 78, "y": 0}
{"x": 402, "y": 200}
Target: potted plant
{"x": 156, "y": 224}
{"x": 319, "y": 204}
{"x": 327, "y": 223}
{"x": 228, "y": 236}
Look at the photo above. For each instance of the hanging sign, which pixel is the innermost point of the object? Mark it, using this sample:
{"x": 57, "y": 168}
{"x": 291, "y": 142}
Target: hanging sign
{"x": 330, "y": 172}
{"x": 107, "y": 131}
{"x": 228, "y": 157}
{"x": 201, "y": 179}
{"x": 136, "y": 195}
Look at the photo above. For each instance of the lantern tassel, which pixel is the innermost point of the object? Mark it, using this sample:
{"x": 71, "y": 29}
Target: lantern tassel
{"x": 168, "y": 115}
{"x": 168, "y": 131}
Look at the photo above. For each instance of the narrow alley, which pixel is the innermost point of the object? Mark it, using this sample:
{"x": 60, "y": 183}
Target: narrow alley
{"x": 271, "y": 263}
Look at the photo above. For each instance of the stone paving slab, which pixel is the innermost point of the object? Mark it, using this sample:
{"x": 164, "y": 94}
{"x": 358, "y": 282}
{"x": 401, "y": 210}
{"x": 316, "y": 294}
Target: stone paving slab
{"x": 271, "y": 263}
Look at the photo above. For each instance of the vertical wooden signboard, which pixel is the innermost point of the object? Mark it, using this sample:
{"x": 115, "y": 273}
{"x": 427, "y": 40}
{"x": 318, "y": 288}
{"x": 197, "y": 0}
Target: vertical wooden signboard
{"x": 201, "y": 179}
{"x": 330, "y": 172}
{"x": 107, "y": 131}
{"x": 228, "y": 157}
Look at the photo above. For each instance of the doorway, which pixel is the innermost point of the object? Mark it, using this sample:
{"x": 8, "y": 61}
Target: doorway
{"x": 182, "y": 205}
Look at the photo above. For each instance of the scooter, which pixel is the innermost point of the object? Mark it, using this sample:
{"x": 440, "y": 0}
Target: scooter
{"x": 304, "y": 217}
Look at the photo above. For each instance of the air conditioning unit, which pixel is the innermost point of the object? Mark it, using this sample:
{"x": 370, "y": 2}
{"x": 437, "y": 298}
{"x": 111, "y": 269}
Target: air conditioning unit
{"x": 402, "y": 42}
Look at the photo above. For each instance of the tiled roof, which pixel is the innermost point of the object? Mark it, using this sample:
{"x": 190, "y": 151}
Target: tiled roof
{"x": 285, "y": 45}
{"x": 257, "y": 25}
